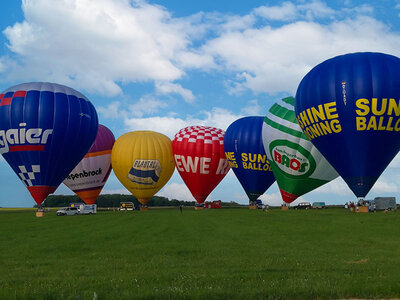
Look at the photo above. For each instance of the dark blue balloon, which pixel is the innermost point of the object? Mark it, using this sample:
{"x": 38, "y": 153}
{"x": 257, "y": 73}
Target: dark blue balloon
{"x": 45, "y": 130}
{"x": 245, "y": 152}
{"x": 349, "y": 107}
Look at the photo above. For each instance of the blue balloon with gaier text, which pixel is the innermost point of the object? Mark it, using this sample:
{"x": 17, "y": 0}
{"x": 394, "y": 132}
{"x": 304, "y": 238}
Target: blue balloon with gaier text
{"x": 349, "y": 107}
{"x": 245, "y": 152}
{"x": 45, "y": 130}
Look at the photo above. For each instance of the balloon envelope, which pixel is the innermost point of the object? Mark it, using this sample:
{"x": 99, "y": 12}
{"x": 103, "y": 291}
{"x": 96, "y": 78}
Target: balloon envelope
{"x": 200, "y": 159}
{"x": 143, "y": 162}
{"x": 245, "y": 152}
{"x": 297, "y": 165}
{"x": 349, "y": 107}
{"x": 45, "y": 130}
{"x": 89, "y": 176}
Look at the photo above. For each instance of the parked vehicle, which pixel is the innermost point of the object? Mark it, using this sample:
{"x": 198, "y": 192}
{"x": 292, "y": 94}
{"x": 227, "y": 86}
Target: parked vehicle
{"x": 318, "y": 205}
{"x": 88, "y": 209}
{"x": 214, "y": 204}
{"x": 382, "y": 203}
{"x": 67, "y": 211}
{"x": 126, "y": 206}
{"x": 303, "y": 205}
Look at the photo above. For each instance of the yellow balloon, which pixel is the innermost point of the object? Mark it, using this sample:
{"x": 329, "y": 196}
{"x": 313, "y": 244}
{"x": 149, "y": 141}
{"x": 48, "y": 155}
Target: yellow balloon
{"x": 143, "y": 162}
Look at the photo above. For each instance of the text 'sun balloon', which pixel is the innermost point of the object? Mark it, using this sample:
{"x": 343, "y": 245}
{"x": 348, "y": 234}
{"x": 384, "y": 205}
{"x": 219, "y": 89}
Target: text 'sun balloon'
{"x": 143, "y": 162}
{"x": 349, "y": 107}
{"x": 200, "y": 159}
{"x": 45, "y": 130}
{"x": 89, "y": 176}
{"x": 297, "y": 165}
{"x": 244, "y": 150}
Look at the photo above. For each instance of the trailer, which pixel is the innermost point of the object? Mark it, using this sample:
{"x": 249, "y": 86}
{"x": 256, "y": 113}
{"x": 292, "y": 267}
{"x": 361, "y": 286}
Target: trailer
{"x": 126, "y": 206}
{"x": 382, "y": 203}
{"x": 214, "y": 204}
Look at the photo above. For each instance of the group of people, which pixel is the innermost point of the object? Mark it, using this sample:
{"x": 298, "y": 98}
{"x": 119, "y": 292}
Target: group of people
{"x": 353, "y": 206}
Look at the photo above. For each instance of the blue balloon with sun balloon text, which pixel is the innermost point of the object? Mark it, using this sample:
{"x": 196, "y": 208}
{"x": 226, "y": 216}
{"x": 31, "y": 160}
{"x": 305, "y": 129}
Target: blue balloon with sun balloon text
{"x": 245, "y": 152}
{"x": 349, "y": 107}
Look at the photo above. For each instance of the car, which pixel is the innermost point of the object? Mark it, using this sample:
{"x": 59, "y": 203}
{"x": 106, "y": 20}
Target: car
{"x": 303, "y": 205}
{"x": 67, "y": 211}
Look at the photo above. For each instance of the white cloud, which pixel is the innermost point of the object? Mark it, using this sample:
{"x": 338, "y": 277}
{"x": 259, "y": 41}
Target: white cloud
{"x": 169, "y": 126}
{"x": 93, "y": 44}
{"x": 274, "y": 59}
{"x": 335, "y": 187}
{"x": 166, "y": 88}
{"x": 146, "y": 106}
{"x": 285, "y": 11}
{"x": 115, "y": 191}
{"x": 178, "y": 191}
{"x": 165, "y": 125}
{"x": 253, "y": 109}
{"x": 112, "y": 111}
{"x": 275, "y": 199}
{"x": 395, "y": 163}
{"x": 99, "y": 44}
{"x": 383, "y": 186}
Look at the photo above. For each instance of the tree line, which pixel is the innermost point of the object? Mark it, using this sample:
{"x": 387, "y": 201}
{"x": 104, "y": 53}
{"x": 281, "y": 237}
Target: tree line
{"x": 114, "y": 200}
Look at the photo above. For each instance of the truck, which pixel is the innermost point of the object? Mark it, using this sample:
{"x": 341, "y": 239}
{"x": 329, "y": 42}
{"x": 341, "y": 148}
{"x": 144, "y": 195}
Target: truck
{"x": 87, "y": 209}
{"x": 382, "y": 203}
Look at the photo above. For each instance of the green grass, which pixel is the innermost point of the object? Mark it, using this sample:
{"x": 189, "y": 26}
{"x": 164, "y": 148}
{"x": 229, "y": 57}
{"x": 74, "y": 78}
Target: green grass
{"x": 210, "y": 254}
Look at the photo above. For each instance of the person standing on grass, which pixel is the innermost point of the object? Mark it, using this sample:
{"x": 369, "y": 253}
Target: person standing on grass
{"x": 180, "y": 208}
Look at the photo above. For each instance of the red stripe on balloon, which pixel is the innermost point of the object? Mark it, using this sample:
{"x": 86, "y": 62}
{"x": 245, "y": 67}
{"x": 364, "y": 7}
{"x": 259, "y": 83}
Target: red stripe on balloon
{"x": 27, "y": 148}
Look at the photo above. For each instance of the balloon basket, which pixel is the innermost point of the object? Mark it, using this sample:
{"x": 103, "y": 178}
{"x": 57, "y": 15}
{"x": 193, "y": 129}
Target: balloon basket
{"x": 362, "y": 209}
{"x": 40, "y": 214}
{"x": 252, "y": 206}
{"x": 198, "y": 207}
{"x": 284, "y": 207}
{"x": 144, "y": 208}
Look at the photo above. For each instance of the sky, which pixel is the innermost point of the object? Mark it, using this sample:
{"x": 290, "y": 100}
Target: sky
{"x": 163, "y": 65}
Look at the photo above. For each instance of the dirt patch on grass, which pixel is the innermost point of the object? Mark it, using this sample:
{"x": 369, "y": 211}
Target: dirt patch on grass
{"x": 357, "y": 262}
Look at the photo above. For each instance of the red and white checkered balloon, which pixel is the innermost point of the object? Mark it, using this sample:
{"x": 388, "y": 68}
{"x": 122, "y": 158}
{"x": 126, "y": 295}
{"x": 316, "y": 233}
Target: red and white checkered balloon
{"x": 200, "y": 159}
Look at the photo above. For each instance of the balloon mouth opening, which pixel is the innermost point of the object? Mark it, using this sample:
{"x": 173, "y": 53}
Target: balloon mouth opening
{"x": 39, "y": 193}
{"x": 288, "y": 197}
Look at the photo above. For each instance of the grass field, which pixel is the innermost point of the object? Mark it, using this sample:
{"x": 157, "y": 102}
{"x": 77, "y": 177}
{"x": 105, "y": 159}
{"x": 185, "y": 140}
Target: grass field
{"x": 210, "y": 254}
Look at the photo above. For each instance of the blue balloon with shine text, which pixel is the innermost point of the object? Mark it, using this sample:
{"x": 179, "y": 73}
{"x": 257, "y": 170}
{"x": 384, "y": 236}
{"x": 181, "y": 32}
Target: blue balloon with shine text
{"x": 349, "y": 107}
{"x": 45, "y": 130}
{"x": 245, "y": 152}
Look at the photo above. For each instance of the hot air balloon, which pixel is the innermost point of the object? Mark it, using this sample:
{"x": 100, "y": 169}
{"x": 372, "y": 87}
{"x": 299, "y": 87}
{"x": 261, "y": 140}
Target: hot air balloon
{"x": 143, "y": 162}
{"x": 89, "y": 176}
{"x": 244, "y": 150}
{"x": 297, "y": 165}
{"x": 349, "y": 107}
{"x": 200, "y": 159}
{"x": 45, "y": 130}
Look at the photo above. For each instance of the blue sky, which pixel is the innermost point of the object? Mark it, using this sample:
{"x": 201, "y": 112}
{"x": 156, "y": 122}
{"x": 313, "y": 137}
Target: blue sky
{"x": 163, "y": 65}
